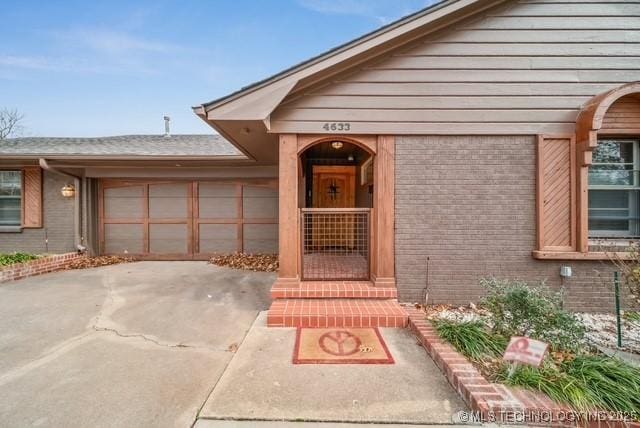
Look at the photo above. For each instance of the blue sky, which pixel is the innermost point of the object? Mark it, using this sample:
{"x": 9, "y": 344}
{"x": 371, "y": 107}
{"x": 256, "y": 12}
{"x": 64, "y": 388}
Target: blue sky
{"x": 95, "y": 68}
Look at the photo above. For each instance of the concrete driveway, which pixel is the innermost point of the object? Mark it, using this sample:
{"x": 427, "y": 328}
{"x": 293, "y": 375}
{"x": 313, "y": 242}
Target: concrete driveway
{"x": 139, "y": 344}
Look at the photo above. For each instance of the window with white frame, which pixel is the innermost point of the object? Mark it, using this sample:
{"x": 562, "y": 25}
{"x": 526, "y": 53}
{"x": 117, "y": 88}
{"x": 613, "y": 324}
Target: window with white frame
{"x": 614, "y": 189}
{"x": 10, "y": 198}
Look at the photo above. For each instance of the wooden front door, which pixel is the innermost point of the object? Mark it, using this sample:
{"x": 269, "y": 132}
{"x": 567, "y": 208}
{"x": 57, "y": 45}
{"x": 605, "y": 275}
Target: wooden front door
{"x": 334, "y": 187}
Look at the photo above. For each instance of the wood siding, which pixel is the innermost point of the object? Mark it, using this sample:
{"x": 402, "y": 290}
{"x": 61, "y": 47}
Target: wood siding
{"x": 523, "y": 68}
{"x": 623, "y": 115}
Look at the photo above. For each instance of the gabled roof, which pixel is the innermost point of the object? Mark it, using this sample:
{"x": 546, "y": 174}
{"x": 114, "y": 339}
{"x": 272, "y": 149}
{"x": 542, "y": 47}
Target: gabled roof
{"x": 124, "y": 146}
{"x": 312, "y": 60}
{"x": 393, "y": 34}
{"x": 244, "y": 117}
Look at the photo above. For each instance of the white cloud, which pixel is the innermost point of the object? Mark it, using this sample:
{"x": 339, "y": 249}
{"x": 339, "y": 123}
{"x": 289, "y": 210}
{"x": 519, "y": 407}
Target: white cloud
{"x": 34, "y": 63}
{"x": 95, "y": 51}
{"x": 112, "y": 42}
{"x": 69, "y": 64}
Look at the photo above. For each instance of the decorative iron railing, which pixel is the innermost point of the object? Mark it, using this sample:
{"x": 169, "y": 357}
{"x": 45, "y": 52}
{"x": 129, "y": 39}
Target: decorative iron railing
{"x": 335, "y": 243}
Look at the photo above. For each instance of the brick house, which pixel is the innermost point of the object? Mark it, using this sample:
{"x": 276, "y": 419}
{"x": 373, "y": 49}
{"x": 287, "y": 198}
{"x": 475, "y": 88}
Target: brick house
{"x": 470, "y": 139}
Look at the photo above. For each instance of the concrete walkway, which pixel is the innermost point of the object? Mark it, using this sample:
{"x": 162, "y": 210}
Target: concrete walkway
{"x": 137, "y": 344}
{"x": 261, "y": 383}
{"x": 279, "y": 424}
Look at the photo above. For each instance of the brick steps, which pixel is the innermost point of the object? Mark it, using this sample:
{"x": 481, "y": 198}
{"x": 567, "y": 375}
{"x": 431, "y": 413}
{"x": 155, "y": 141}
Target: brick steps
{"x": 336, "y": 313}
{"x": 333, "y": 290}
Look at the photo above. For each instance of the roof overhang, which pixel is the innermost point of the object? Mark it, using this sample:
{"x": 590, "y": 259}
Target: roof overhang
{"x": 81, "y": 161}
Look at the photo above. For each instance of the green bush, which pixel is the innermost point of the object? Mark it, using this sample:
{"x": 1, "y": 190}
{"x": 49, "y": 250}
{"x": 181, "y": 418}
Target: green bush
{"x": 13, "y": 258}
{"x": 471, "y": 338}
{"x": 520, "y": 309}
{"x": 613, "y": 384}
{"x": 633, "y": 316}
{"x": 588, "y": 382}
{"x": 559, "y": 386}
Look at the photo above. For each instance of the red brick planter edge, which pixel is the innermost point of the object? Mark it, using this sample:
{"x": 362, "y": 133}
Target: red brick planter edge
{"x": 37, "y": 267}
{"x": 494, "y": 402}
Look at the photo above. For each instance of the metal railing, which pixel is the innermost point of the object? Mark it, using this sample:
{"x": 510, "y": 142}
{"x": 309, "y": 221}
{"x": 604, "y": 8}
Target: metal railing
{"x": 335, "y": 243}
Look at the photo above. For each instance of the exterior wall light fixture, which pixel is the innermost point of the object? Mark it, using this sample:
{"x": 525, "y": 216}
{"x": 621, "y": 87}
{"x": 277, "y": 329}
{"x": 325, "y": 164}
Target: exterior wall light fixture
{"x": 337, "y": 145}
{"x": 68, "y": 191}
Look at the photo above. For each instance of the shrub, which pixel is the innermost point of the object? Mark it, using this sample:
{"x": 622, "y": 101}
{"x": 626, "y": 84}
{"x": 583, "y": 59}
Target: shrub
{"x": 520, "y": 309}
{"x": 633, "y": 316}
{"x": 613, "y": 384}
{"x": 559, "y": 386}
{"x": 13, "y": 258}
{"x": 471, "y": 338}
{"x": 629, "y": 267}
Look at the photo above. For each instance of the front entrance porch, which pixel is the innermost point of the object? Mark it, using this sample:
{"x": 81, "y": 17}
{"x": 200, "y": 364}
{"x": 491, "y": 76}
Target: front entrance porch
{"x": 336, "y": 223}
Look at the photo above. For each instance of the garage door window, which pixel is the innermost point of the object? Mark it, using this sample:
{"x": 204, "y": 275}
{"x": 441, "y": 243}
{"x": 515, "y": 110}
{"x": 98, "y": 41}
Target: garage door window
{"x": 10, "y": 198}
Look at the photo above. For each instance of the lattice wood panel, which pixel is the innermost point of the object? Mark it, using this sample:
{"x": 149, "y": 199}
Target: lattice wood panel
{"x": 32, "y": 194}
{"x": 556, "y": 193}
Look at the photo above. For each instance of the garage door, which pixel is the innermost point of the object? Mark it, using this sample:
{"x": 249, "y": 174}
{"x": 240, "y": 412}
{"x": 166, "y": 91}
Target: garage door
{"x": 188, "y": 219}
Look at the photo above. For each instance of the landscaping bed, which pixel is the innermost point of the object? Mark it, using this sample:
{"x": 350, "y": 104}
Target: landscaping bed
{"x": 8, "y": 259}
{"x": 17, "y": 266}
{"x": 574, "y": 371}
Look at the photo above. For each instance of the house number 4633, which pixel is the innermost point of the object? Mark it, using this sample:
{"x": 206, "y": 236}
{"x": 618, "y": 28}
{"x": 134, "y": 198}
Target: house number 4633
{"x": 337, "y": 126}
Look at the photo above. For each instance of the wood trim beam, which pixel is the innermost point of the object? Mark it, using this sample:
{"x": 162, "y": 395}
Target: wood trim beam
{"x": 383, "y": 236}
{"x": 288, "y": 209}
{"x": 576, "y": 255}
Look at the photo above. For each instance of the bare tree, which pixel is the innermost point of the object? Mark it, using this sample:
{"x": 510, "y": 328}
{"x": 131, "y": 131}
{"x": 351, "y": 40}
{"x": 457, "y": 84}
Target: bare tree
{"x": 9, "y": 123}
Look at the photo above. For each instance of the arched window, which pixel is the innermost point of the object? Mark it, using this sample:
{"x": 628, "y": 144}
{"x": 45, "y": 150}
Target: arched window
{"x": 588, "y": 187}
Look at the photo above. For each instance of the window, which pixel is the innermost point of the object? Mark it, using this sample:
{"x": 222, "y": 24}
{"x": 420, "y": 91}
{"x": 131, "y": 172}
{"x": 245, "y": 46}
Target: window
{"x": 10, "y": 198}
{"x": 614, "y": 189}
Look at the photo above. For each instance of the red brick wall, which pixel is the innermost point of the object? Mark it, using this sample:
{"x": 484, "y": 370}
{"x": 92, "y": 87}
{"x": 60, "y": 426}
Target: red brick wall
{"x": 37, "y": 267}
{"x": 468, "y": 204}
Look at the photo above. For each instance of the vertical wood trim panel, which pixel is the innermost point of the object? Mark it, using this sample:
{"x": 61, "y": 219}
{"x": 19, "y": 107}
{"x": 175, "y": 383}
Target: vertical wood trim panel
{"x": 145, "y": 236}
{"x": 240, "y": 225}
{"x": 190, "y": 226}
{"x": 288, "y": 207}
{"x": 195, "y": 206}
{"x": 32, "y": 197}
{"x": 556, "y": 200}
{"x": 384, "y": 204}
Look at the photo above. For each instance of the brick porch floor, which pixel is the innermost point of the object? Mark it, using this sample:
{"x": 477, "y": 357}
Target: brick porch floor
{"x": 348, "y": 266}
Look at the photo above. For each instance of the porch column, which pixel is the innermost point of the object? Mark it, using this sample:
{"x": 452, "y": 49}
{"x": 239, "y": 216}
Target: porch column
{"x": 384, "y": 213}
{"x": 288, "y": 229}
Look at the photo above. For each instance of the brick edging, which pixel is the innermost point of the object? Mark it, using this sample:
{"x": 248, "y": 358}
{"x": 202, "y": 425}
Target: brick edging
{"x": 38, "y": 266}
{"x": 495, "y": 402}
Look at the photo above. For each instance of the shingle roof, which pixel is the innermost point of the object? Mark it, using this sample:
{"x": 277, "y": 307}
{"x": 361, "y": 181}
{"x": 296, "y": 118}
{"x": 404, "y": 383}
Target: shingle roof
{"x": 123, "y": 145}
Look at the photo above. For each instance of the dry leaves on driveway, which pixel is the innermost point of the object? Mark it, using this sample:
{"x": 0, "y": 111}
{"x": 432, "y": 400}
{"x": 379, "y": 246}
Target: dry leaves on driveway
{"x": 91, "y": 262}
{"x": 252, "y": 262}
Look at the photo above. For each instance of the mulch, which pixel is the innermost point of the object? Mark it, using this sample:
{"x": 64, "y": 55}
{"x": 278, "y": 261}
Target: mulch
{"x": 252, "y": 262}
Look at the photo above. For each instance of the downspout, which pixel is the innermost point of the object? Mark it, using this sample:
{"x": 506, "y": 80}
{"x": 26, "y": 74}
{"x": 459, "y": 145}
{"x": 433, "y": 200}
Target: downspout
{"x": 78, "y": 236}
